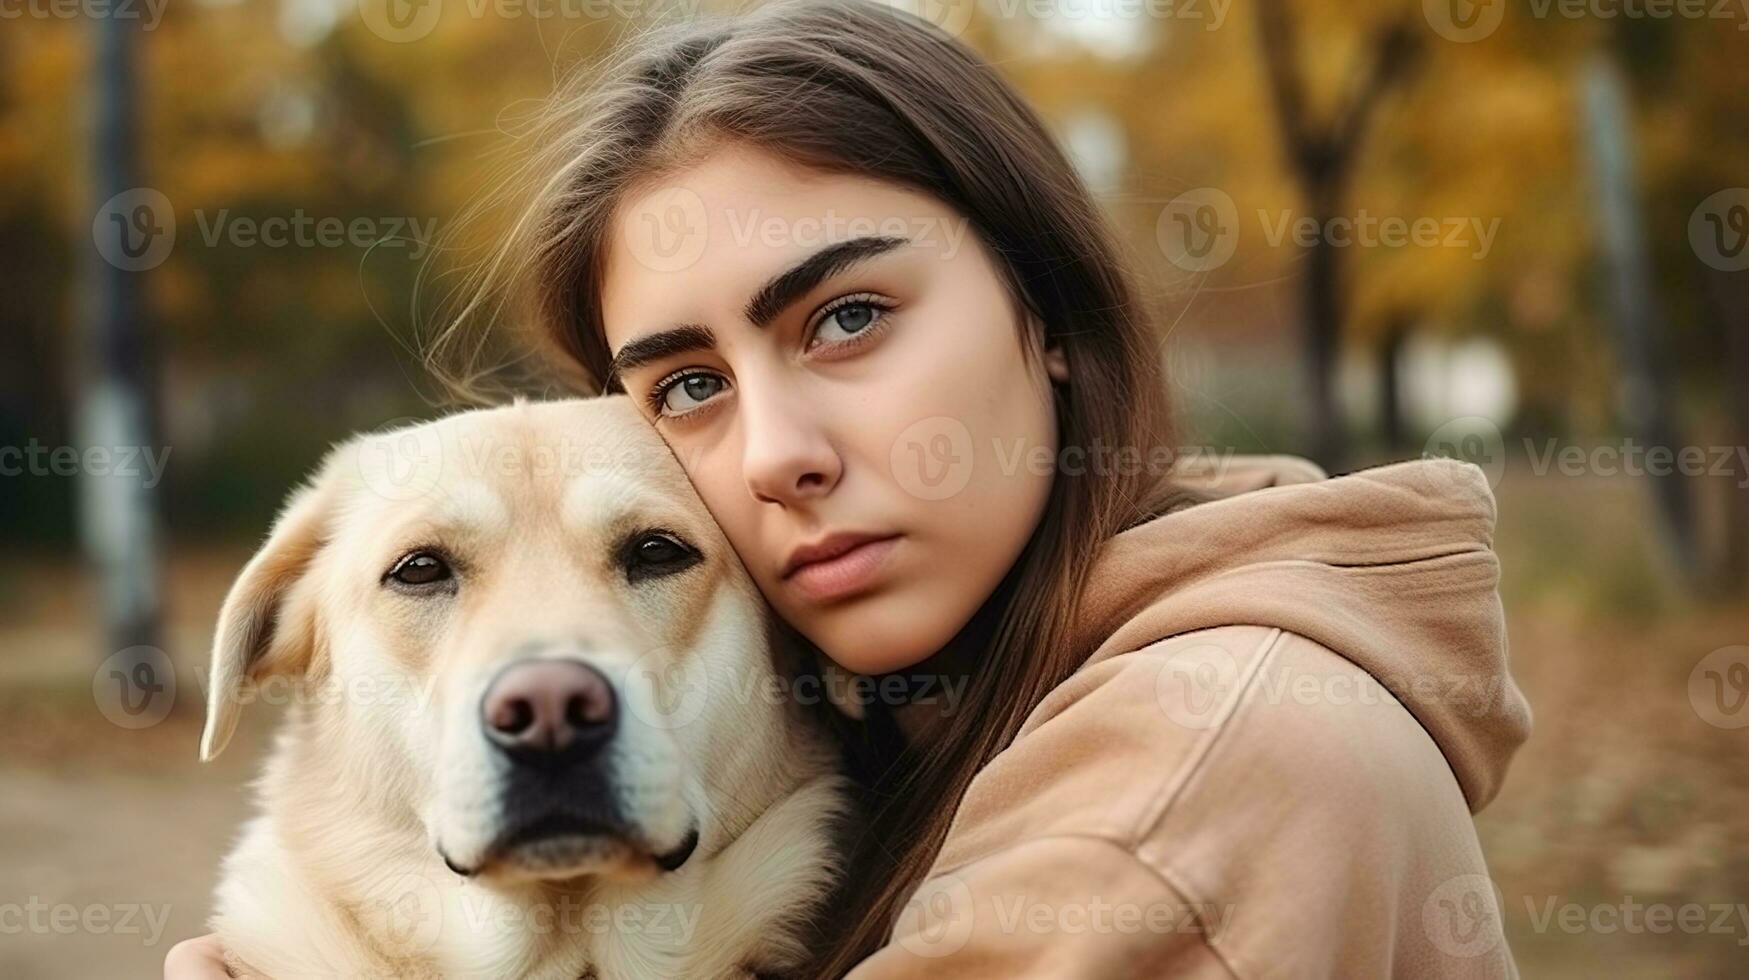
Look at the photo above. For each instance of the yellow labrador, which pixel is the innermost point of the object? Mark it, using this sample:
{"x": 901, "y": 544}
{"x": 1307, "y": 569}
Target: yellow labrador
{"x": 537, "y": 723}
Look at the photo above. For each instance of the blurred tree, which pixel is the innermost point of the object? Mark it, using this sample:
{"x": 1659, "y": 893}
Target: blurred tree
{"x": 1648, "y": 398}
{"x": 34, "y": 244}
{"x": 118, "y": 513}
{"x": 1689, "y": 86}
{"x": 1322, "y": 157}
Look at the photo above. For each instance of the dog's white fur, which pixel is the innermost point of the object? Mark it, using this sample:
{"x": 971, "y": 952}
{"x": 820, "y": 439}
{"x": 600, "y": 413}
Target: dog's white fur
{"x": 381, "y": 771}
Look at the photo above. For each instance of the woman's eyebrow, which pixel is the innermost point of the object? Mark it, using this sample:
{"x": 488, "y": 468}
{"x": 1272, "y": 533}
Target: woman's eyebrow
{"x": 789, "y": 286}
{"x": 771, "y": 299}
{"x": 653, "y": 347}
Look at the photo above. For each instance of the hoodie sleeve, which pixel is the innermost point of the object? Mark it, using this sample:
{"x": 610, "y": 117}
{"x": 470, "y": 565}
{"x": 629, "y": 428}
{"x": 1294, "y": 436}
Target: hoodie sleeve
{"x": 1063, "y": 908}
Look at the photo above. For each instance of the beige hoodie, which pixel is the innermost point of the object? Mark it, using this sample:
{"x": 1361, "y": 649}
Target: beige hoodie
{"x": 1268, "y": 765}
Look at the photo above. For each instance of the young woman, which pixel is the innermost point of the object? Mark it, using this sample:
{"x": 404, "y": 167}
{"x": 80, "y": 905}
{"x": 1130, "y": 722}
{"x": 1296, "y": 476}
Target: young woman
{"x": 1136, "y": 716}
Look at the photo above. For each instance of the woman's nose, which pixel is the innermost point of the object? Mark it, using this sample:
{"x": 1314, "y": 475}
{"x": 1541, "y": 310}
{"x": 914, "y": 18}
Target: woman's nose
{"x": 788, "y": 456}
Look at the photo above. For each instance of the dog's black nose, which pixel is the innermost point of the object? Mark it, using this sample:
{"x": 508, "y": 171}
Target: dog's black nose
{"x": 549, "y": 711}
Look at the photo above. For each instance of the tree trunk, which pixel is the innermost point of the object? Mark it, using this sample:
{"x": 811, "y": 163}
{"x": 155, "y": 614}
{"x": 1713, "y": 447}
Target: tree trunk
{"x": 1647, "y": 402}
{"x": 1730, "y": 299}
{"x": 117, "y": 516}
{"x": 1321, "y": 157}
{"x": 1323, "y": 337}
{"x": 1390, "y": 391}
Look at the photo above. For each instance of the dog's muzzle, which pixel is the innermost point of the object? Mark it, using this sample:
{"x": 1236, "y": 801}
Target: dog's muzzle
{"x": 553, "y": 722}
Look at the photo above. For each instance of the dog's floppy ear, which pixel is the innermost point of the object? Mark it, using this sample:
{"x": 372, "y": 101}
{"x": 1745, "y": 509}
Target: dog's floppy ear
{"x": 261, "y": 630}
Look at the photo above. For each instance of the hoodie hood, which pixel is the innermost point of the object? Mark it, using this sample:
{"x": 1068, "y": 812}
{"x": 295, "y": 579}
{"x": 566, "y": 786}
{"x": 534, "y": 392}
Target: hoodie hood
{"x": 1392, "y": 568}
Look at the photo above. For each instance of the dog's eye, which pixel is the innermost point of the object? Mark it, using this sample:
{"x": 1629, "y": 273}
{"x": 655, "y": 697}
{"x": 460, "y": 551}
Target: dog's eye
{"x": 655, "y": 554}
{"x": 419, "y": 569}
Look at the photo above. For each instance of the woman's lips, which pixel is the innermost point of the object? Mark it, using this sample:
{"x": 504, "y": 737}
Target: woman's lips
{"x": 852, "y": 571}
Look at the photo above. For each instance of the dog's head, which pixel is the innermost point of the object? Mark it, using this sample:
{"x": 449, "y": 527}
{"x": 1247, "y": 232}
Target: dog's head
{"x": 521, "y": 628}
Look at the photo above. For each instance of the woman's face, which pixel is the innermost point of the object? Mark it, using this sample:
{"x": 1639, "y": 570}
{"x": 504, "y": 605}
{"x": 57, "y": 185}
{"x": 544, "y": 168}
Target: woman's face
{"x": 831, "y": 355}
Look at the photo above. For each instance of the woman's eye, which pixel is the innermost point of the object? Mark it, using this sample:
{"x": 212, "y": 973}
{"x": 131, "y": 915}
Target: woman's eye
{"x": 420, "y": 569}
{"x": 850, "y": 320}
{"x": 685, "y": 393}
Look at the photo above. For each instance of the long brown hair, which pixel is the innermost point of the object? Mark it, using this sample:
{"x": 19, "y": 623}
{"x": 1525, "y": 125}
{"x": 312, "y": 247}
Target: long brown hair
{"x": 847, "y": 86}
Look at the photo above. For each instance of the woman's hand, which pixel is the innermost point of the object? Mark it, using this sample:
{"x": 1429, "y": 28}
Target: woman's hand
{"x": 196, "y": 959}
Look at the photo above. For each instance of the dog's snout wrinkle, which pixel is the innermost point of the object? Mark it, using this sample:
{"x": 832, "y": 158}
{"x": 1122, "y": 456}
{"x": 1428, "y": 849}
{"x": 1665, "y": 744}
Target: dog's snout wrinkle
{"x": 549, "y": 711}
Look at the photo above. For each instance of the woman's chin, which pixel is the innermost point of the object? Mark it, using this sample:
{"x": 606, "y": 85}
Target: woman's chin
{"x": 877, "y": 635}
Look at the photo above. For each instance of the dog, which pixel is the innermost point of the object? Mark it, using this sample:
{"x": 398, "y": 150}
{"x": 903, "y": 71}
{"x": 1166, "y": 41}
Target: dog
{"x": 530, "y": 726}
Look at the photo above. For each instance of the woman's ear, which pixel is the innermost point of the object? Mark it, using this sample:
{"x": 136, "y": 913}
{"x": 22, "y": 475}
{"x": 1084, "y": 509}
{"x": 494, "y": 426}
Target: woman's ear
{"x": 1057, "y": 364}
{"x": 266, "y": 627}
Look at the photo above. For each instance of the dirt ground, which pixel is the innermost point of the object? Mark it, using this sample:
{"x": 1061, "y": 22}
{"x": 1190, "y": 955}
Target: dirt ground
{"x": 1624, "y": 795}
{"x": 126, "y": 823}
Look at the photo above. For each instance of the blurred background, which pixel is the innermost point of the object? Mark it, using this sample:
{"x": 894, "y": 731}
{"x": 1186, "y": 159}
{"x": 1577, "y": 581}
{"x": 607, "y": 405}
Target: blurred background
{"x": 1515, "y": 231}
